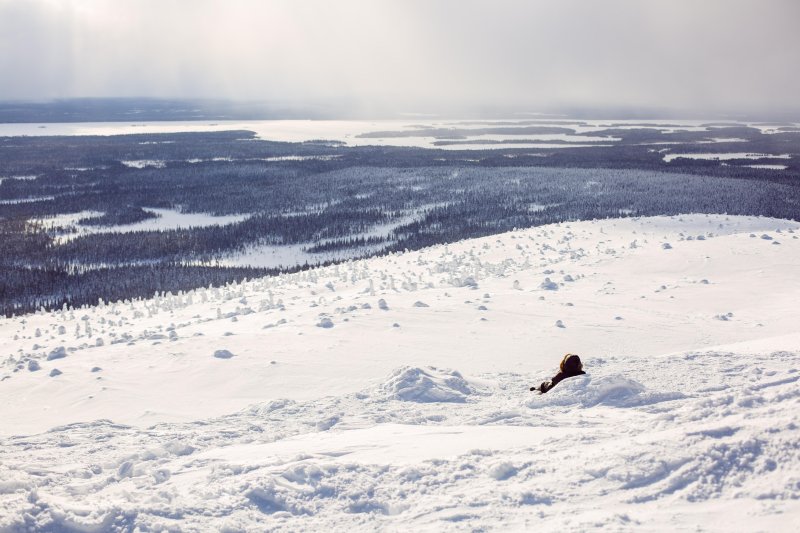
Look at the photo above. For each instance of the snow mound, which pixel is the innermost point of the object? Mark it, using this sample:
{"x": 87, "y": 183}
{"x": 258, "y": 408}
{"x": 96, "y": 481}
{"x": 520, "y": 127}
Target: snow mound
{"x": 428, "y": 384}
{"x": 613, "y": 390}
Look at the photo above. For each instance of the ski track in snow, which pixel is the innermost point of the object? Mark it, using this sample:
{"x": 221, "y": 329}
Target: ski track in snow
{"x": 392, "y": 393}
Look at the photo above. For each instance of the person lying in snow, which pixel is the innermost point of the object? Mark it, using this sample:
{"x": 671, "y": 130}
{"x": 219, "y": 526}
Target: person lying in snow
{"x": 570, "y": 366}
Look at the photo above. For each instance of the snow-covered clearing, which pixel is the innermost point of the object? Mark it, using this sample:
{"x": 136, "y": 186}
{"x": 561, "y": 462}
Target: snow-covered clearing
{"x": 291, "y": 255}
{"x": 392, "y": 393}
{"x": 723, "y": 140}
{"x": 27, "y": 200}
{"x": 770, "y": 167}
{"x": 726, "y": 156}
{"x": 20, "y": 178}
{"x": 477, "y": 145}
{"x": 166, "y": 219}
{"x": 144, "y": 163}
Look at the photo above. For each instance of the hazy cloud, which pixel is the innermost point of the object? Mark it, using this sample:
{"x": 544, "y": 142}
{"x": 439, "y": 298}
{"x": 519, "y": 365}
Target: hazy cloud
{"x": 406, "y": 55}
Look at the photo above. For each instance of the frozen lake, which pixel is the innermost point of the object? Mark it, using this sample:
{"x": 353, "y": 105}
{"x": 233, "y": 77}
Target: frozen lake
{"x": 167, "y": 219}
{"x": 726, "y": 156}
{"x": 415, "y": 133}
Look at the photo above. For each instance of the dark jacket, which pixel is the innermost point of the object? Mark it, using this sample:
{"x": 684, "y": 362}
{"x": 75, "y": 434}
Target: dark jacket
{"x": 571, "y": 366}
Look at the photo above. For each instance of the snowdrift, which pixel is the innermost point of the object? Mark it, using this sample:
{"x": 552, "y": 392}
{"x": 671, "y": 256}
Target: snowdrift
{"x": 613, "y": 391}
{"x": 411, "y": 384}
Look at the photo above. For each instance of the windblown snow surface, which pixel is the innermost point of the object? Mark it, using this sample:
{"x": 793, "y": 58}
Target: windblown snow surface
{"x": 392, "y": 393}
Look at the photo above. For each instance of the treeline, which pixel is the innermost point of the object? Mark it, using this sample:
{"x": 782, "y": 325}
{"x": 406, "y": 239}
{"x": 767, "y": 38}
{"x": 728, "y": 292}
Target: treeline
{"x": 119, "y": 215}
{"x": 24, "y": 289}
{"x": 346, "y": 244}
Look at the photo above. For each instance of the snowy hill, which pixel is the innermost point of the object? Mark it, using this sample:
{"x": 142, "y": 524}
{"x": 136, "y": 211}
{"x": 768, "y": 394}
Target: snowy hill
{"x": 392, "y": 393}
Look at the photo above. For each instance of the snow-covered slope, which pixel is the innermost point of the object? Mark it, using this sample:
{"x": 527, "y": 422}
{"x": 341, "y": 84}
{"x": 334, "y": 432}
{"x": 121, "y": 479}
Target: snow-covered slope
{"x": 392, "y": 393}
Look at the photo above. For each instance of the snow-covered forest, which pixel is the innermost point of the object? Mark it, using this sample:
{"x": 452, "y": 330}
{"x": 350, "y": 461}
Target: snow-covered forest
{"x": 115, "y": 217}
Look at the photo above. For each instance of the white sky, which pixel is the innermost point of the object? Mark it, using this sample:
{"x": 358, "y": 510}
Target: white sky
{"x": 409, "y": 54}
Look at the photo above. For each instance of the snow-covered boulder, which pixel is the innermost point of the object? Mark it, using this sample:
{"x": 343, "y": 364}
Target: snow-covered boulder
{"x": 57, "y": 353}
{"x": 549, "y": 285}
{"x": 223, "y": 354}
{"x": 467, "y": 282}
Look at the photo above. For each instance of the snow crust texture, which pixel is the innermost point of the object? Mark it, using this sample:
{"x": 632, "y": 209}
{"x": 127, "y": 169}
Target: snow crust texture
{"x": 684, "y": 421}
